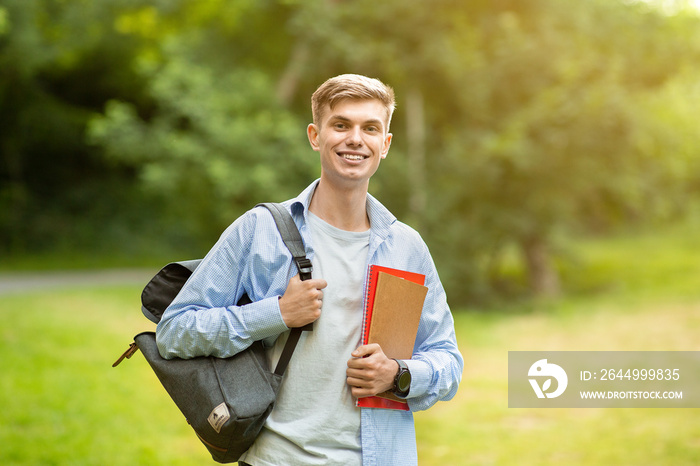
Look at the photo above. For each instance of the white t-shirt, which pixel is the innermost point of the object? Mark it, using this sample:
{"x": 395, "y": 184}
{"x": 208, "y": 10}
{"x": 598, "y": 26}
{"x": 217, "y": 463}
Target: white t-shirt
{"x": 315, "y": 420}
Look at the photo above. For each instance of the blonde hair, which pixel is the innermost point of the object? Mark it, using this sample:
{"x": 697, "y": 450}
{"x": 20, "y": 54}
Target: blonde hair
{"x": 351, "y": 87}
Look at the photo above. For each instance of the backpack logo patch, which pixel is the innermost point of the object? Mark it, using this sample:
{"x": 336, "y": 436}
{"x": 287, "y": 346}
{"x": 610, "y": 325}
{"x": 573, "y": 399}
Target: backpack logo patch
{"x": 218, "y": 417}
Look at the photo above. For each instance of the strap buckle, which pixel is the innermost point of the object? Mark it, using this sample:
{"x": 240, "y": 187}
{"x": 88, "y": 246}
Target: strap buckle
{"x": 304, "y": 266}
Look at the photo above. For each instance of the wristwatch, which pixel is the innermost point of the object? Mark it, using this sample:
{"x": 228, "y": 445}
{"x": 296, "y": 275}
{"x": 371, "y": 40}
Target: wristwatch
{"x": 402, "y": 382}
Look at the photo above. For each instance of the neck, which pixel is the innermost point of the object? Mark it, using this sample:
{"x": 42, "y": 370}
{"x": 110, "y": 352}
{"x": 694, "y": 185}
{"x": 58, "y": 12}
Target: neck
{"x": 345, "y": 209}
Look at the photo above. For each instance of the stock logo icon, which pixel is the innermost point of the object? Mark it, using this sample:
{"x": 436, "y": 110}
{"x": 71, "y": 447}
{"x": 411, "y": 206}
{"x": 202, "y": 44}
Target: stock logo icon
{"x": 544, "y": 371}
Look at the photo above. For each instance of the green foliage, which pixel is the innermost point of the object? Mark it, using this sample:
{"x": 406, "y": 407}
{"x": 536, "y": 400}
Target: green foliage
{"x": 518, "y": 123}
{"x": 214, "y": 139}
{"x": 555, "y": 103}
{"x": 214, "y": 146}
{"x": 59, "y": 61}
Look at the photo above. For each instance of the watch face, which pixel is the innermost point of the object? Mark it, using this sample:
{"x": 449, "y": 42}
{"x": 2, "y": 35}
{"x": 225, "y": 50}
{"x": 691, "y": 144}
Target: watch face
{"x": 404, "y": 381}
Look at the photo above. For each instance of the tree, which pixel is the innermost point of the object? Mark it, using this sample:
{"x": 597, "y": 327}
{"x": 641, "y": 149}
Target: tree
{"x": 217, "y": 138}
{"x": 518, "y": 121}
{"x": 551, "y": 109}
{"x": 58, "y": 63}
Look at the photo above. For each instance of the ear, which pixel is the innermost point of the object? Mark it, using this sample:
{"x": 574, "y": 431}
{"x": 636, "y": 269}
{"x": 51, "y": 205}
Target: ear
{"x": 387, "y": 144}
{"x": 312, "y": 133}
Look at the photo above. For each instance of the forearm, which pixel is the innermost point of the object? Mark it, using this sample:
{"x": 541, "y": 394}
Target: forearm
{"x": 188, "y": 331}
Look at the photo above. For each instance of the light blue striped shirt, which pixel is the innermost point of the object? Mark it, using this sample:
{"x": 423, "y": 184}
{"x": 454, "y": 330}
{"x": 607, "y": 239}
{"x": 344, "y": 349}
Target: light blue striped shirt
{"x": 251, "y": 258}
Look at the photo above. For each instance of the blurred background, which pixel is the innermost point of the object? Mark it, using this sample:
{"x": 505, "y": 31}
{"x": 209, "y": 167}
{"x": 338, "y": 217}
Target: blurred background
{"x": 548, "y": 151}
{"x": 131, "y": 128}
{"x": 137, "y": 129}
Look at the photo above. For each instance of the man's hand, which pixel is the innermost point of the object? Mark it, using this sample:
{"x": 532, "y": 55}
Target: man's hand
{"x": 301, "y": 302}
{"x": 370, "y": 372}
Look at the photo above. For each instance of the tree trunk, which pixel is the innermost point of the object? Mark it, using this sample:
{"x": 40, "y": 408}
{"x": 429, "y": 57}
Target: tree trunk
{"x": 415, "y": 131}
{"x": 543, "y": 277}
{"x": 289, "y": 81}
{"x": 16, "y": 195}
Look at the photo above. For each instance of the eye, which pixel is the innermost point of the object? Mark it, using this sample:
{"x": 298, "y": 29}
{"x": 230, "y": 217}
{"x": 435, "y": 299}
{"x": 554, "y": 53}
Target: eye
{"x": 339, "y": 126}
{"x": 372, "y": 129}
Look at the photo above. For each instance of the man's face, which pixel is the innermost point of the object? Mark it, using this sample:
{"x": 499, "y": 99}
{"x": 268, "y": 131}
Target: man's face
{"x": 352, "y": 139}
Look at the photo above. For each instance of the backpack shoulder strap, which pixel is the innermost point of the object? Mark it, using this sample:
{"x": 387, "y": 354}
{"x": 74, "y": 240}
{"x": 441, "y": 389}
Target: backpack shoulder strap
{"x": 292, "y": 239}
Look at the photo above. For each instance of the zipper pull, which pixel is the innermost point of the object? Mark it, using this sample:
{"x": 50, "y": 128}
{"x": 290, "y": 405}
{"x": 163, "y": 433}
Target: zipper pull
{"x": 127, "y": 354}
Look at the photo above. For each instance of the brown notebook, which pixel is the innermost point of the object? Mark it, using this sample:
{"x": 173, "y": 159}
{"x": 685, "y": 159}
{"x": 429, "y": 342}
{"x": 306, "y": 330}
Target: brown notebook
{"x": 398, "y": 304}
{"x": 395, "y": 316}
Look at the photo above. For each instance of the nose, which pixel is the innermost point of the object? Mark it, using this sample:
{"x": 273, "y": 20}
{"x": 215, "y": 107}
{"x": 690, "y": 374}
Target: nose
{"x": 354, "y": 137}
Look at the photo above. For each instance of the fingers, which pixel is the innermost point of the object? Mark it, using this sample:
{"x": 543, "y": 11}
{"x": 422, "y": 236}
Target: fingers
{"x": 370, "y": 372}
{"x": 317, "y": 283}
{"x": 302, "y": 301}
{"x": 314, "y": 291}
{"x": 307, "y": 291}
{"x": 317, "y": 287}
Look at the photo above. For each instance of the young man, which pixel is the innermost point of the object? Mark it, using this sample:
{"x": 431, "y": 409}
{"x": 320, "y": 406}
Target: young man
{"x": 315, "y": 419}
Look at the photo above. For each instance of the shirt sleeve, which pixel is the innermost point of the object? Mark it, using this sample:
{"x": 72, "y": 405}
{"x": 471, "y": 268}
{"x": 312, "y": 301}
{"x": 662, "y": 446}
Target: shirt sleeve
{"x": 204, "y": 319}
{"x": 436, "y": 366}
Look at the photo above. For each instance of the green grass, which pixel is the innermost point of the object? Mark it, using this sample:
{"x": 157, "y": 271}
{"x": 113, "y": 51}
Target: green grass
{"x": 661, "y": 262}
{"x": 62, "y": 402}
{"x": 642, "y": 293}
{"x": 477, "y": 427}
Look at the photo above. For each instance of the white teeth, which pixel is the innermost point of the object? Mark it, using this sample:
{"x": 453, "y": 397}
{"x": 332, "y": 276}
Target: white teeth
{"x": 353, "y": 157}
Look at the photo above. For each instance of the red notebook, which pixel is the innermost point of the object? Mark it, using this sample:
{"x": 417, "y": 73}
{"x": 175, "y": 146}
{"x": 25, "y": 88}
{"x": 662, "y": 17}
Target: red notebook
{"x": 393, "y": 304}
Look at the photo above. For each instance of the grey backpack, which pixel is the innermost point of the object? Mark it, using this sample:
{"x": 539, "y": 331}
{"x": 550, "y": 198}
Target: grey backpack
{"x": 226, "y": 401}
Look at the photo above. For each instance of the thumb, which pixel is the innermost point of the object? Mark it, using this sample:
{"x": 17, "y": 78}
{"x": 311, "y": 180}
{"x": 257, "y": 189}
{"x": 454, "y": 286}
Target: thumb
{"x": 365, "y": 350}
{"x": 318, "y": 283}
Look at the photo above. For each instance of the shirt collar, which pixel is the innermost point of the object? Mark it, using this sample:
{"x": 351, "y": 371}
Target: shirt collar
{"x": 379, "y": 216}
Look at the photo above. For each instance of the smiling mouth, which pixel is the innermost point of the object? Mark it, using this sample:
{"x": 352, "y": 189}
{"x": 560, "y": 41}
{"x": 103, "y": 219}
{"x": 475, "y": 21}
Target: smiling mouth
{"x": 353, "y": 157}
